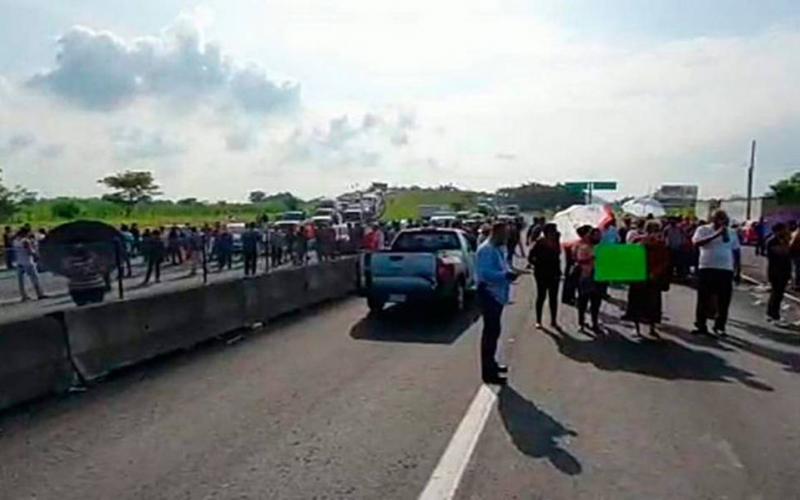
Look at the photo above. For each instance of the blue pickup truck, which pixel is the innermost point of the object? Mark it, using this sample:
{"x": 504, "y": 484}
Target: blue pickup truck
{"x": 422, "y": 265}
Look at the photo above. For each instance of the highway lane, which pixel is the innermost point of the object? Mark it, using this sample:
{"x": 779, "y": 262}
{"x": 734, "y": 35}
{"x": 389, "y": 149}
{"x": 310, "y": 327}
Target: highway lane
{"x": 334, "y": 404}
{"x": 622, "y": 417}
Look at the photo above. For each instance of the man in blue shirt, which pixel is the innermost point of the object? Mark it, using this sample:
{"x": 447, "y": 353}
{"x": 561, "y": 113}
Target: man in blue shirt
{"x": 494, "y": 277}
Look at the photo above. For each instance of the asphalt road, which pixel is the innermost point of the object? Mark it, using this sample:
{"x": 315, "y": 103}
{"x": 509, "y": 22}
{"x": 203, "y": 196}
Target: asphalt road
{"x": 335, "y": 404}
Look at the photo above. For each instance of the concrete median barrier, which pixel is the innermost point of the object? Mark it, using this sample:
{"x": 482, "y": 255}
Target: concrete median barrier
{"x": 275, "y": 294}
{"x": 331, "y": 280}
{"x": 110, "y": 336}
{"x": 33, "y": 360}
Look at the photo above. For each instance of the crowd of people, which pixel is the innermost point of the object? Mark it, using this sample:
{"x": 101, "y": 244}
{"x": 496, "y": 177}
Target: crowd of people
{"x": 209, "y": 247}
{"x": 704, "y": 254}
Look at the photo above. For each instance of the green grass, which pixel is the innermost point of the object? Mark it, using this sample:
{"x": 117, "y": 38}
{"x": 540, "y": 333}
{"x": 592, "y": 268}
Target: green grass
{"x": 403, "y": 204}
{"x": 41, "y": 213}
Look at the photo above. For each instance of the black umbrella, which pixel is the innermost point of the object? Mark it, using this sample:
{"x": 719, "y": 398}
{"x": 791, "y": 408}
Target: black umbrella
{"x": 62, "y": 243}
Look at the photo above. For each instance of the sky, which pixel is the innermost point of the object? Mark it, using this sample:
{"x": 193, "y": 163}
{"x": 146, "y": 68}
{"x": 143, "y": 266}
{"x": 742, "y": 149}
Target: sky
{"x": 220, "y": 98}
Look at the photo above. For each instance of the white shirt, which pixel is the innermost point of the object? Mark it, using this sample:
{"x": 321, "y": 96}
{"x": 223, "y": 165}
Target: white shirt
{"x": 716, "y": 254}
{"x": 632, "y": 235}
{"x": 24, "y": 252}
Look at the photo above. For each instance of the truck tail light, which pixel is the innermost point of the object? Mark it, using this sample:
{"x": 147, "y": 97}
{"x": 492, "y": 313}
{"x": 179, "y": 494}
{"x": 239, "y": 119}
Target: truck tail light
{"x": 445, "y": 271}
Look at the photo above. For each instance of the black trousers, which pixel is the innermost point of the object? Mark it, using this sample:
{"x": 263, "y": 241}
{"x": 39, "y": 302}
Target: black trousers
{"x": 153, "y": 265}
{"x": 492, "y": 310}
{"x": 591, "y": 297}
{"x": 547, "y": 288}
{"x": 776, "y": 297}
{"x": 250, "y": 263}
{"x": 570, "y": 284}
{"x": 714, "y": 287}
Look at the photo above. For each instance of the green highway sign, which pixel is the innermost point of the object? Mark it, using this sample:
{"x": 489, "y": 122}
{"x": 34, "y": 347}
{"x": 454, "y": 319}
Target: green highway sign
{"x": 593, "y": 185}
{"x": 576, "y": 186}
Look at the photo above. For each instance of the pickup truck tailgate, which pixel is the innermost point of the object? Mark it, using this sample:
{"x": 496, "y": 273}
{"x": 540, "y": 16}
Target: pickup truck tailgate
{"x": 401, "y": 272}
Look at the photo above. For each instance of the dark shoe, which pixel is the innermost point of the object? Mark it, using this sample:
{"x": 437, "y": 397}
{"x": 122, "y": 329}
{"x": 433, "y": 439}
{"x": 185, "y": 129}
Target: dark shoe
{"x": 495, "y": 380}
{"x": 700, "y": 331}
{"x": 720, "y": 332}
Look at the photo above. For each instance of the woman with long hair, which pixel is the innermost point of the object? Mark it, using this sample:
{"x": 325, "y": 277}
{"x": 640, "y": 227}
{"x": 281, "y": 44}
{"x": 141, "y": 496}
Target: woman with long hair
{"x": 545, "y": 259}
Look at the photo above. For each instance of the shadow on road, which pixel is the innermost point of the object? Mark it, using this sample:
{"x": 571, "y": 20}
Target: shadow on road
{"x": 789, "y": 360}
{"x": 659, "y": 359}
{"x": 415, "y": 324}
{"x": 790, "y": 337}
{"x": 535, "y": 433}
{"x": 730, "y": 343}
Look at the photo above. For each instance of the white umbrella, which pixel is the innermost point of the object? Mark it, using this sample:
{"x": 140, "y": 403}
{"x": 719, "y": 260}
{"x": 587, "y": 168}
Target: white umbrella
{"x": 576, "y": 216}
{"x": 642, "y": 207}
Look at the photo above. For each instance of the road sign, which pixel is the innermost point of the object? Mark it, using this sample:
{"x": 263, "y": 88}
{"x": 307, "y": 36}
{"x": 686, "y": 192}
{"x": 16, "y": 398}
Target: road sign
{"x": 593, "y": 185}
{"x": 604, "y": 186}
{"x": 576, "y": 186}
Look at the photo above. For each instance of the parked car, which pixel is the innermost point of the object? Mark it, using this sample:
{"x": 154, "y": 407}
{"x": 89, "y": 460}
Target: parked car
{"x": 421, "y": 265}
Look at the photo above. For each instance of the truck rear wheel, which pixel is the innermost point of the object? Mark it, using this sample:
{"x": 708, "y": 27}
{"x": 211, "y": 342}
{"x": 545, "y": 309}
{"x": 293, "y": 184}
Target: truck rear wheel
{"x": 375, "y": 304}
{"x": 457, "y": 302}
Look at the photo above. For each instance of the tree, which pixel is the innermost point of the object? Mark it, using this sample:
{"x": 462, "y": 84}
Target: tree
{"x": 11, "y": 199}
{"x": 65, "y": 209}
{"x": 130, "y": 188}
{"x": 788, "y": 190}
{"x": 188, "y": 201}
{"x": 257, "y": 196}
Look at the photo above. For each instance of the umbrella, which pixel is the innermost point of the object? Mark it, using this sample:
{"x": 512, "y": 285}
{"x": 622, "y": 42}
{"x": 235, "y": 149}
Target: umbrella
{"x": 101, "y": 240}
{"x": 576, "y": 216}
{"x": 642, "y": 207}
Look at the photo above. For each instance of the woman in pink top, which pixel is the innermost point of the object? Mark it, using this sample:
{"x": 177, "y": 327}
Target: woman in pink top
{"x": 590, "y": 294}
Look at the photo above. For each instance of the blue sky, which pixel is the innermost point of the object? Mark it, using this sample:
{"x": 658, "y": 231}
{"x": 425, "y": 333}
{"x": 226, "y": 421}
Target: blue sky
{"x": 222, "y": 97}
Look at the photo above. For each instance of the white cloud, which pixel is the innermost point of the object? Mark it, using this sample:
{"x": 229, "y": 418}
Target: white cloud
{"x": 16, "y": 143}
{"x": 132, "y": 143}
{"x": 498, "y": 99}
{"x": 100, "y": 70}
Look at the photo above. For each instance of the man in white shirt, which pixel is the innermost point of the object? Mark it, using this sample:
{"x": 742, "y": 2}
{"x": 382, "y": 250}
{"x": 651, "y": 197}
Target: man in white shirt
{"x": 718, "y": 246}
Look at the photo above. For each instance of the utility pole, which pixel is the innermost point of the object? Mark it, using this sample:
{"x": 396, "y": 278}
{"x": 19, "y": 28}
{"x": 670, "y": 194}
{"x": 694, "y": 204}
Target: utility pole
{"x": 750, "y": 178}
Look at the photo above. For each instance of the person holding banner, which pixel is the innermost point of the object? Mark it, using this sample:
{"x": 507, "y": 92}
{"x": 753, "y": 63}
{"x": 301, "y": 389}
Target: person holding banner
{"x": 645, "y": 298}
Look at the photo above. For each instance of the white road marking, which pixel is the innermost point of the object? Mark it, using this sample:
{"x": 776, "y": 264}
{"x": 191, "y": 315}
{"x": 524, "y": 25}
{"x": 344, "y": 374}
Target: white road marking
{"x": 446, "y": 477}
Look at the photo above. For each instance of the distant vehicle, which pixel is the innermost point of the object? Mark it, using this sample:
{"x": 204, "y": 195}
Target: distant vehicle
{"x": 486, "y": 209}
{"x": 327, "y": 212}
{"x": 327, "y": 203}
{"x": 443, "y": 220}
{"x": 422, "y": 265}
{"x": 512, "y": 210}
{"x": 295, "y": 215}
{"x": 236, "y": 229}
{"x": 320, "y": 220}
{"x": 286, "y": 224}
{"x": 353, "y": 215}
{"x": 463, "y": 214}
{"x": 428, "y": 211}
